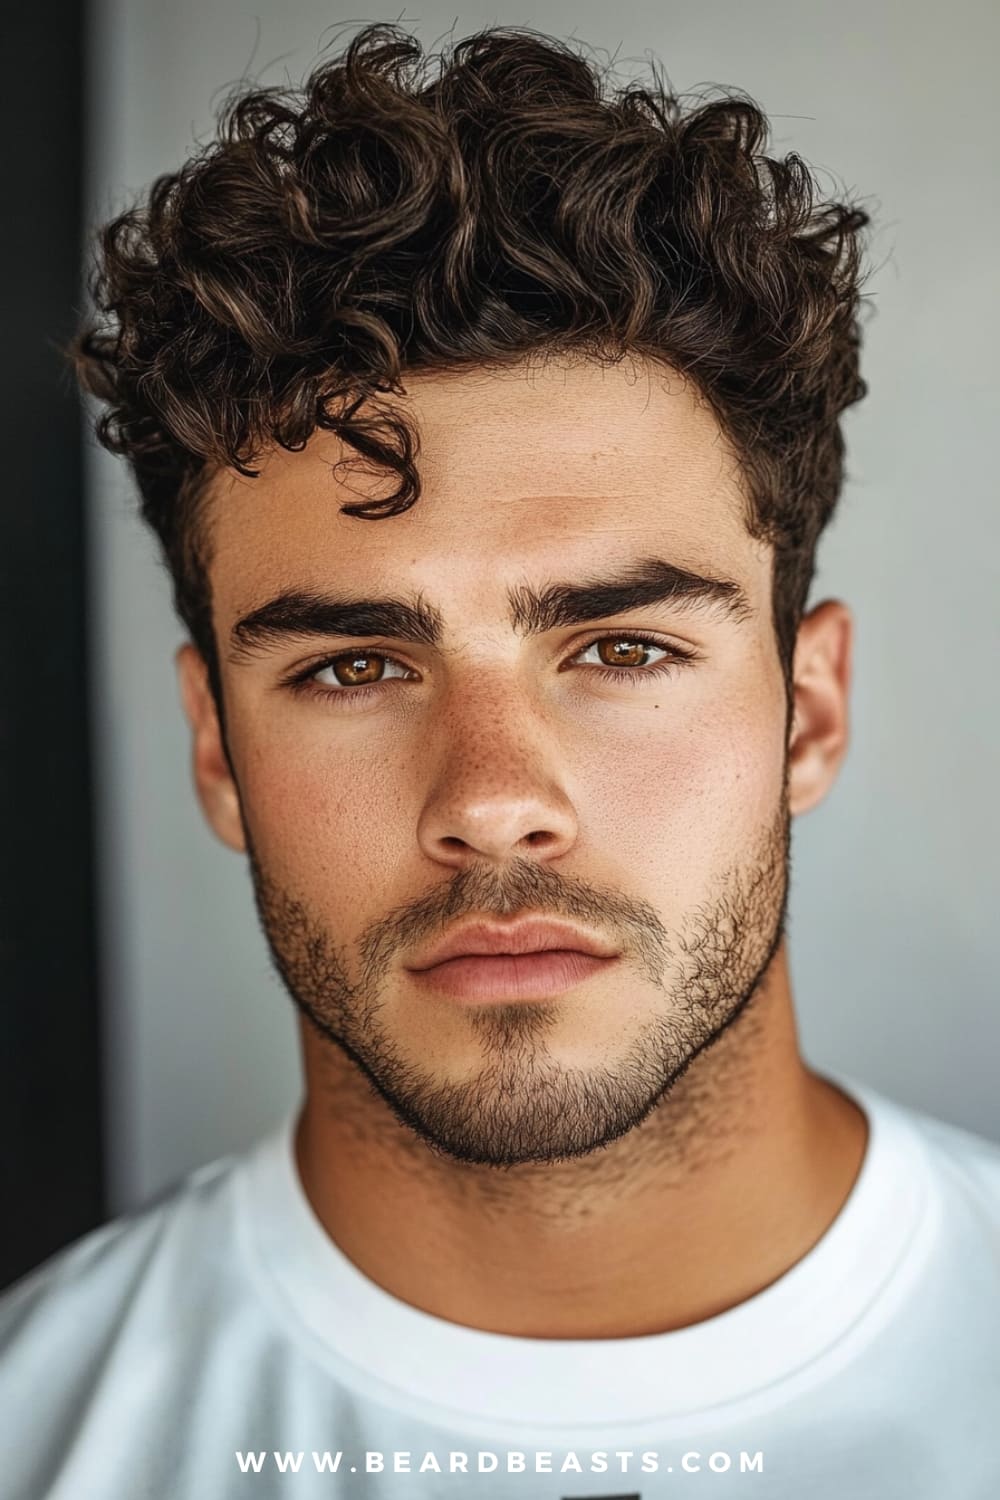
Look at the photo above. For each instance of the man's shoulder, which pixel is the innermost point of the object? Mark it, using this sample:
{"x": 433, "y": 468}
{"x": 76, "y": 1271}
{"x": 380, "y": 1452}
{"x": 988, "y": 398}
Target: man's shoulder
{"x": 969, "y": 1160}
{"x": 102, "y": 1344}
{"x": 136, "y": 1260}
{"x": 976, "y": 1156}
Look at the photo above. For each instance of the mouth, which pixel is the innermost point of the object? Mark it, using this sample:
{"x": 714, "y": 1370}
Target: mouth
{"x": 481, "y": 977}
{"x": 521, "y": 938}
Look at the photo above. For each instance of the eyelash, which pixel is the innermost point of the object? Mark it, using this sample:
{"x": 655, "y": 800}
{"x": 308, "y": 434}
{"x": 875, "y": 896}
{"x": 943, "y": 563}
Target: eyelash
{"x": 302, "y": 683}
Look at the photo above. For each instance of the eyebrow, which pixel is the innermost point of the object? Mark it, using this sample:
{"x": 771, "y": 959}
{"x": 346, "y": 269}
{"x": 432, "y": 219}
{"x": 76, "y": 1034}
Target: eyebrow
{"x": 650, "y": 580}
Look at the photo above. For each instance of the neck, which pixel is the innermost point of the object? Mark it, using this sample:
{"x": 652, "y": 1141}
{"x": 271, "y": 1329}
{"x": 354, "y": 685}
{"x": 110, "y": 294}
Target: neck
{"x": 734, "y": 1176}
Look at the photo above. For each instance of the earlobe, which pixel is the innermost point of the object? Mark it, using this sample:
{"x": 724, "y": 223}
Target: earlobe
{"x": 820, "y": 726}
{"x": 213, "y": 779}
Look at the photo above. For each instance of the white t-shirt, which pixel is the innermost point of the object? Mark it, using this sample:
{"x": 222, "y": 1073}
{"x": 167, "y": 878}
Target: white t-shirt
{"x": 217, "y": 1344}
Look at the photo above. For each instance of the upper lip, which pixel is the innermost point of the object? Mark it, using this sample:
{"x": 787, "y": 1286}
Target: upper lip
{"x": 526, "y": 936}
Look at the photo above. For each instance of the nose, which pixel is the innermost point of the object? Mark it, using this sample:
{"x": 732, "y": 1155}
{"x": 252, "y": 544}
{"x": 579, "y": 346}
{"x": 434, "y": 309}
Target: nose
{"x": 497, "y": 796}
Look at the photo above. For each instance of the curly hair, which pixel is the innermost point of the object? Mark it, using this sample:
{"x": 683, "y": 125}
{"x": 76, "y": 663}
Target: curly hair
{"x": 374, "y": 221}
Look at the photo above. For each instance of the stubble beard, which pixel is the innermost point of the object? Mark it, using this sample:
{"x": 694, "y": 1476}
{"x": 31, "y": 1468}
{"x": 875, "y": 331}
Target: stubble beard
{"x": 523, "y": 1105}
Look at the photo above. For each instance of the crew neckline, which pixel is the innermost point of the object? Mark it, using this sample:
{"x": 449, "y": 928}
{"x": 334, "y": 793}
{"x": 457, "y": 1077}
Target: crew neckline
{"x": 417, "y": 1360}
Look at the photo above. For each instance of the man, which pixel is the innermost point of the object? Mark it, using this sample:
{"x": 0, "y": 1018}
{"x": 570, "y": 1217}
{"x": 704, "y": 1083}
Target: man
{"x": 564, "y": 1212}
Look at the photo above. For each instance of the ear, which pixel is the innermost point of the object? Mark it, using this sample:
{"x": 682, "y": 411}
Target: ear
{"x": 822, "y": 684}
{"x": 217, "y": 791}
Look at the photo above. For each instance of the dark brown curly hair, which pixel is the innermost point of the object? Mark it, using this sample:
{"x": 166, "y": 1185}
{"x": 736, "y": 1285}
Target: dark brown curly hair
{"x": 375, "y": 221}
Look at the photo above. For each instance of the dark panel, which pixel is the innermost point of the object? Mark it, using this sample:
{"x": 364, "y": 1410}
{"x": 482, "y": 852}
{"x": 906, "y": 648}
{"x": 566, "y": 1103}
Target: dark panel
{"x": 50, "y": 1083}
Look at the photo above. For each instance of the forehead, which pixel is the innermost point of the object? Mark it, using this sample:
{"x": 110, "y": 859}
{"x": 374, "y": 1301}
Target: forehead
{"x": 531, "y": 468}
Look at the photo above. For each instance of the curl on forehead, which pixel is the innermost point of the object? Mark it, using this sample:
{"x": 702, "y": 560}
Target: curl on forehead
{"x": 569, "y": 461}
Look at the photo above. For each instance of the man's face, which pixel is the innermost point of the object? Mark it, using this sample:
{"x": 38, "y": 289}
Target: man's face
{"x": 497, "y": 772}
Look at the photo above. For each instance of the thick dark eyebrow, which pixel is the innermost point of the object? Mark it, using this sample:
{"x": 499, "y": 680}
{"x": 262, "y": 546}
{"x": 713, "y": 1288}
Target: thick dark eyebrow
{"x": 650, "y": 580}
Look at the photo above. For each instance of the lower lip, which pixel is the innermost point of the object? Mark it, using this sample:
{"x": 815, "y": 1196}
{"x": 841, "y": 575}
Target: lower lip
{"x": 509, "y": 976}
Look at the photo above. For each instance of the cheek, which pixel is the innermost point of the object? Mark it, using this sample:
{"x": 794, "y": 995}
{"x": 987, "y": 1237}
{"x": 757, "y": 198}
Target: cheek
{"x": 322, "y": 816}
{"x": 726, "y": 767}
{"x": 678, "y": 806}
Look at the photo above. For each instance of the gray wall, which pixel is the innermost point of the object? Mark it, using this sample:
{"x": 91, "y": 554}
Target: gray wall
{"x": 893, "y": 917}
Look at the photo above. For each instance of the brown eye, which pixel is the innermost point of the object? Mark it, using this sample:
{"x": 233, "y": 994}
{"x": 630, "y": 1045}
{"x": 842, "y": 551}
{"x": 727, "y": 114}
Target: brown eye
{"x": 357, "y": 669}
{"x": 612, "y": 654}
